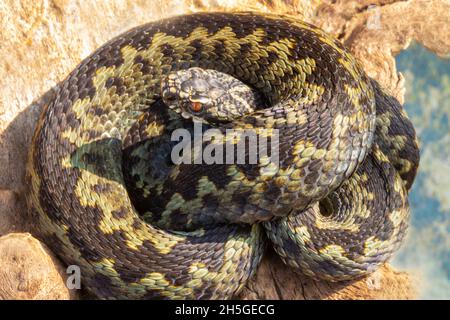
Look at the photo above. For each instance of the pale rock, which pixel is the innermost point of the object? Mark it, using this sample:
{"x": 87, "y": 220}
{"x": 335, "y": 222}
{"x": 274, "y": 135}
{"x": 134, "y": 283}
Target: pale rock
{"x": 29, "y": 271}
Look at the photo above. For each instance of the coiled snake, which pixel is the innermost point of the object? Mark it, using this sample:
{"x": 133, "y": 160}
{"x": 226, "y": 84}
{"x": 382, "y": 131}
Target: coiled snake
{"x": 105, "y": 198}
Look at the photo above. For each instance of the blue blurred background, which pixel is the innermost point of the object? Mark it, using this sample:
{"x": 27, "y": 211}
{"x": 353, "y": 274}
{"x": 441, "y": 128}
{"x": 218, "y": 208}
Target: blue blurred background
{"x": 426, "y": 253}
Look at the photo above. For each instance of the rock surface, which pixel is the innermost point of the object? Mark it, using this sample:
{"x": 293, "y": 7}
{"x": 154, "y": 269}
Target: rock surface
{"x": 42, "y": 41}
{"x": 28, "y": 270}
{"x": 11, "y": 209}
{"x": 376, "y": 31}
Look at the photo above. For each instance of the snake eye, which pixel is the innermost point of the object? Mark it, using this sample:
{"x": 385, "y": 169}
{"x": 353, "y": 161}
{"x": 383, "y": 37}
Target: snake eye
{"x": 196, "y": 106}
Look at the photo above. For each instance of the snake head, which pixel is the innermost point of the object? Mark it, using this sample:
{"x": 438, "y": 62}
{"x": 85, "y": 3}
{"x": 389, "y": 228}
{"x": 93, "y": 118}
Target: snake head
{"x": 193, "y": 93}
{"x": 205, "y": 95}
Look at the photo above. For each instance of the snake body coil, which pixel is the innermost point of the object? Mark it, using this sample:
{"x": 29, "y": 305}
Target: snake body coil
{"x": 334, "y": 206}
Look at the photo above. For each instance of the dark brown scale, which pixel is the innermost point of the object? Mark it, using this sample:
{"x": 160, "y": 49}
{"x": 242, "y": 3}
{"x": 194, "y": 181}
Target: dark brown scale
{"x": 117, "y": 83}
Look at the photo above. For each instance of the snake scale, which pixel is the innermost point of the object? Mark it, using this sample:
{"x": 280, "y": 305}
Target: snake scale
{"x": 103, "y": 196}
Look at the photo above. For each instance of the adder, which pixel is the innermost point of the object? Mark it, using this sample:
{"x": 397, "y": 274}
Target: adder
{"x": 334, "y": 207}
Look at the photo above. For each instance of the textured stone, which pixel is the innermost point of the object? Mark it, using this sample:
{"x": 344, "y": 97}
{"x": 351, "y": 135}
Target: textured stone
{"x": 28, "y": 270}
{"x": 376, "y": 31}
{"x": 11, "y": 211}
